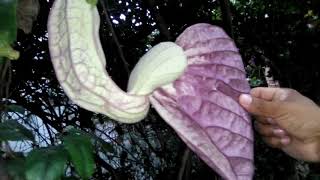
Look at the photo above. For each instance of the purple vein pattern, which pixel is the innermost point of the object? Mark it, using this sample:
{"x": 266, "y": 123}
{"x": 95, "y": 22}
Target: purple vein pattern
{"x": 202, "y": 105}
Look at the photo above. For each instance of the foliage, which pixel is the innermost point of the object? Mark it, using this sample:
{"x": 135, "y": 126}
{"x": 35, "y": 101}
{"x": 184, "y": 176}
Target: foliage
{"x": 48, "y": 163}
{"x": 93, "y": 2}
{"x": 8, "y": 28}
{"x": 80, "y": 151}
{"x": 13, "y": 131}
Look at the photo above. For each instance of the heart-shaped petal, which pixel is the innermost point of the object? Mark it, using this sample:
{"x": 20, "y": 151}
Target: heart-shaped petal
{"x": 202, "y": 105}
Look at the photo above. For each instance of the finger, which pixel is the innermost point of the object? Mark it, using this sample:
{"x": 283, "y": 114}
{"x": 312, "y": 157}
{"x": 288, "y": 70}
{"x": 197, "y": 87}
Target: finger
{"x": 263, "y": 129}
{"x": 270, "y": 130}
{"x": 277, "y": 142}
{"x": 272, "y": 141}
{"x": 270, "y": 94}
{"x": 280, "y": 132}
{"x": 260, "y": 107}
{"x": 265, "y": 93}
{"x": 265, "y": 120}
{"x": 271, "y": 121}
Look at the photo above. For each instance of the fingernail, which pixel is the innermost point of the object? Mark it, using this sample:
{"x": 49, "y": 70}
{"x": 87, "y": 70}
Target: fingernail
{"x": 285, "y": 141}
{"x": 245, "y": 100}
{"x": 279, "y": 132}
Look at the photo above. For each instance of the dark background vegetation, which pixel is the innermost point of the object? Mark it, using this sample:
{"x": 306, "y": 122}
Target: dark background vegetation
{"x": 281, "y": 34}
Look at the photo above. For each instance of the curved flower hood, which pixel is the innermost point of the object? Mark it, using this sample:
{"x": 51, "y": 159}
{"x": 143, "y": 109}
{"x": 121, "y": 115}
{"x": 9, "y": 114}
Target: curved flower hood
{"x": 194, "y": 84}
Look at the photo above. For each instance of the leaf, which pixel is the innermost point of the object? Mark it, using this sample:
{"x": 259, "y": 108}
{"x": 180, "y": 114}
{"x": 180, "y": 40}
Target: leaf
{"x": 80, "y": 150}
{"x": 8, "y": 52}
{"x": 27, "y": 12}
{"x": 202, "y": 105}
{"x": 15, "y": 108}
{"x": 14, "y": 131}
{"x": 48, "y": 163}
{"x": 92, "y": 2}
{"x": 107, "y": 147}
{"x": 69, "y": 178}
{"x": 8, "y": 25}
{"x": 8, "y": 28}
{"x": 16, "y": 168}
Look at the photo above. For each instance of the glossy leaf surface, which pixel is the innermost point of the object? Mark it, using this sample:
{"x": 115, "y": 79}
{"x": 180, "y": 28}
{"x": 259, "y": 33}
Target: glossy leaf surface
{"x": 14, "y": 131}
{"x": 80, "y": 149}
{"x": 46, "y": 163}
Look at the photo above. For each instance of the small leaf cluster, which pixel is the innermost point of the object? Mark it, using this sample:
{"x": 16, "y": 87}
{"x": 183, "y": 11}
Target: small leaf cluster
{"x": 8, "y": 29}
{"x": 48, "y": 163}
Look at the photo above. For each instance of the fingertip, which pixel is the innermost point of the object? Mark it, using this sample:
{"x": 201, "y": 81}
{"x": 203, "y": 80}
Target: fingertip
{"x": 266, "y": 93}
{"x": 285, "y": 141}
{"x": 279, "y": 132}
{"x": 256, "y": 91}
{"x": 245, "y": 100}
{"x": 273, "y": 142}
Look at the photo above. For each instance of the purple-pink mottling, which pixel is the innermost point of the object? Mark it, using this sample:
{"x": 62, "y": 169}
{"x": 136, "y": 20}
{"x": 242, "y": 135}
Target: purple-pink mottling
{"x": 202, "y": 105}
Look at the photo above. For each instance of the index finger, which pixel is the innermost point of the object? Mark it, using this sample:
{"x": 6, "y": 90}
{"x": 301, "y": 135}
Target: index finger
{"x": 266, "y": 93}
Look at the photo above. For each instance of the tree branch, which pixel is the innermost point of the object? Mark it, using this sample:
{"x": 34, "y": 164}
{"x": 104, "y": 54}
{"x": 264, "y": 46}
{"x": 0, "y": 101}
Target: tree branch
{"x": 163, "y": 27}
{"x": 184, "y": 162}
{"x": 49, "y": 132}
{"x": 114, "y": 36}
{"x": 107, "y": 167}
{"x": 5, "y": 79}
{"x": 227, "y": 17}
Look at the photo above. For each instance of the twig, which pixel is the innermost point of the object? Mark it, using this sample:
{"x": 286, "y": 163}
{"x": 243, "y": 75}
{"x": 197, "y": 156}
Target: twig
{"x": 49, "y": 132}
{"x": 5, "y": 79}
{"x": 107, "y": 166}
{"x": 227, "y": 17}
{"x": 114, "y": 36}
{"x": 184, "y": 162}
{"x": 119, "y": 144}
{"x": 163, "y": 27}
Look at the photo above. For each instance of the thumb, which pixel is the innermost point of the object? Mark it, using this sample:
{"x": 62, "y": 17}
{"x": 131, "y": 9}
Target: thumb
{"x": 259, "y": 107}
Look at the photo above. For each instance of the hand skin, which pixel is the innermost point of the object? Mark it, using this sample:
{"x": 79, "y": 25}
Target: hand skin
{"x": 286, "y": 120}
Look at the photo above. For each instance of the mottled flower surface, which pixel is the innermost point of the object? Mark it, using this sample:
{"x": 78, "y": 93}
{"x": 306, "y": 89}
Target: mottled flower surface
{"x": 202, "y": 105}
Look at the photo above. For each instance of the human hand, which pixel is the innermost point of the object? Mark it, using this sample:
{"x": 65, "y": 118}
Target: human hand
{"x": 286, "y": 120}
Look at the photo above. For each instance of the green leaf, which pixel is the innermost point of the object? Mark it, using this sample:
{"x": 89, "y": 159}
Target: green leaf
{"x": 13, "y": 131}
{"x": 8, "y": 52}
{"x": 16, "y": 168}
{"x": 8, "y": 28}
{"x": 8, "y": 22}
{"x": 80, "y": 149}
{"x": 16, "y": 108}
{"x": 92, "y": 2}
{"x": 107, "y": 147}
{"x": 69, "y": 178}
{"x": 48, "y": 164}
